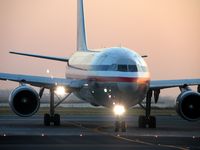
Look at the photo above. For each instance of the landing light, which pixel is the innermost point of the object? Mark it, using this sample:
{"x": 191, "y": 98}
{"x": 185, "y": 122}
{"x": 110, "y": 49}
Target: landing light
{"x": 60, "y": 90}
{"x": 119, "y": 110}
{"x": 48, "y": 71}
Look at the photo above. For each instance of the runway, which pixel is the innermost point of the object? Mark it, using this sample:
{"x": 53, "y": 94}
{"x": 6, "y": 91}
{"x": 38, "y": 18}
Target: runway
{"x": 96, "y": 132}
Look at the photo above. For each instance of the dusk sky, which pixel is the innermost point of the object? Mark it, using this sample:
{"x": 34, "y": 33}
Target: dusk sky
{"x": 168, "y": 31}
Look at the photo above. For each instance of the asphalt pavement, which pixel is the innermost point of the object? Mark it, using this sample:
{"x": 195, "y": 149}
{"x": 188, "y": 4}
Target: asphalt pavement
{"x": 87, "y": 132}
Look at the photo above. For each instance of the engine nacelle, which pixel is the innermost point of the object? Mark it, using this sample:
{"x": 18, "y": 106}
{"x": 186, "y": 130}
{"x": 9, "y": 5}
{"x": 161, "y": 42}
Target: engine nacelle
{"x": 24, "y": 101}
{"x": 188, "y": 105}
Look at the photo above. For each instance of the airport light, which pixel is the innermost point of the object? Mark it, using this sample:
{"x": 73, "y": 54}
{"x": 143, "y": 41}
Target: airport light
{"x": 60, "y": 90}
{"x": 119, "y": 110}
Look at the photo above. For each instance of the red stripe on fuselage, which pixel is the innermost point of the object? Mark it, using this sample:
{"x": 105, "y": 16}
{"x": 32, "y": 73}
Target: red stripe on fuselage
{"x": 111, "y": 79}
{"x": 120, "y": 79}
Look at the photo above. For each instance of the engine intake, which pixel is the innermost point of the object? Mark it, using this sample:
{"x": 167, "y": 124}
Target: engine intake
{"x": 188, "y": 105}
{"x": 24, "y": 101}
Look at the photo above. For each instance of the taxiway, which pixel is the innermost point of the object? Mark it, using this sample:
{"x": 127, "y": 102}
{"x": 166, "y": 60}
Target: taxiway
{"x": 96, "y": 132}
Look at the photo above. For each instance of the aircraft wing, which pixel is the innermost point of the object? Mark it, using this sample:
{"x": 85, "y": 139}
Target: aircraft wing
{"x": 46, "y": 82}
{"x": 162, "y": 84}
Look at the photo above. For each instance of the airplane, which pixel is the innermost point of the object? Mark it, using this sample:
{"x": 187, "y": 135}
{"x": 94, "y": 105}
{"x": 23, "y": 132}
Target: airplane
{"x": 116, "y": 78}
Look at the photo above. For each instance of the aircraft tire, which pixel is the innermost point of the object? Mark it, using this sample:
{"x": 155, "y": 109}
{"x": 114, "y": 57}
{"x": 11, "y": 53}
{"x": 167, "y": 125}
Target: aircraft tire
{"x": 142, "y": 122}
{"x": 123, "y": 126}
{"x": 56, "y": 120}
{"x": 117, "y": 126}
{"x": 47, "y": 119}
{"x": 152, "y": 122}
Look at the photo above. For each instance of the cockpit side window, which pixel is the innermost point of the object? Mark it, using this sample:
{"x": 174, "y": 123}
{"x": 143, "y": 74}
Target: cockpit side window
{"x": 141, "y": 68}
{"x": 113, "y": 67}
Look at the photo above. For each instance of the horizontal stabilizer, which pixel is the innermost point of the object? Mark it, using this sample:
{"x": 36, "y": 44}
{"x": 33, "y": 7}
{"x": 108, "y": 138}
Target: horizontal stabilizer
{"x": 144, "y": 56}
{"x": 43, "y": 57}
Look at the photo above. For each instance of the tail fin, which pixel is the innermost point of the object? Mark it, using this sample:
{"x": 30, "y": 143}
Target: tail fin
{"x": 81, "y": 35}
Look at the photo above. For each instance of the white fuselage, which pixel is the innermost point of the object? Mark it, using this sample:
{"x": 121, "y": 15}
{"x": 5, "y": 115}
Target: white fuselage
{"x": 114, "y": 76}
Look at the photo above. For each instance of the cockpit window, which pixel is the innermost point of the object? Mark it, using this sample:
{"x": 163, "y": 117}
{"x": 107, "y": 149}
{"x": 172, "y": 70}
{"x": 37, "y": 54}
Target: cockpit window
{"x": 119, "y": 67}
{"x": 122, "y": 68}
{"x": 132, "y": 68}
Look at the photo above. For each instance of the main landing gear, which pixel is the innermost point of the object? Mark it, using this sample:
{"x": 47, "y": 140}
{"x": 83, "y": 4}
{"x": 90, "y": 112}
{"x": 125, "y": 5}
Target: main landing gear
{"x": 52, "y": 117}
{"x": 147, "y": 121}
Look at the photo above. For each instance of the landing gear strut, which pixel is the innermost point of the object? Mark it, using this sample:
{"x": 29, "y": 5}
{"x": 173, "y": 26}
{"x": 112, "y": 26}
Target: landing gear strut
{"x": 147, "y": 121}
{"x": 52, "y": 117}
{"x": 120, "y": 125}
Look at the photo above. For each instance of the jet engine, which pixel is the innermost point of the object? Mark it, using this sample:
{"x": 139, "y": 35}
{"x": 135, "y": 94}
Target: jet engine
{"x": 188, "y": 105}
{"x": 24, "y": 101}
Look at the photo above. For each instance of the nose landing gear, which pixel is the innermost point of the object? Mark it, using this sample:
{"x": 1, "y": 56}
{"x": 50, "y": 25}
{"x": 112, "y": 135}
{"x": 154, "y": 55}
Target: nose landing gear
{"x": 120, "y": 125}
